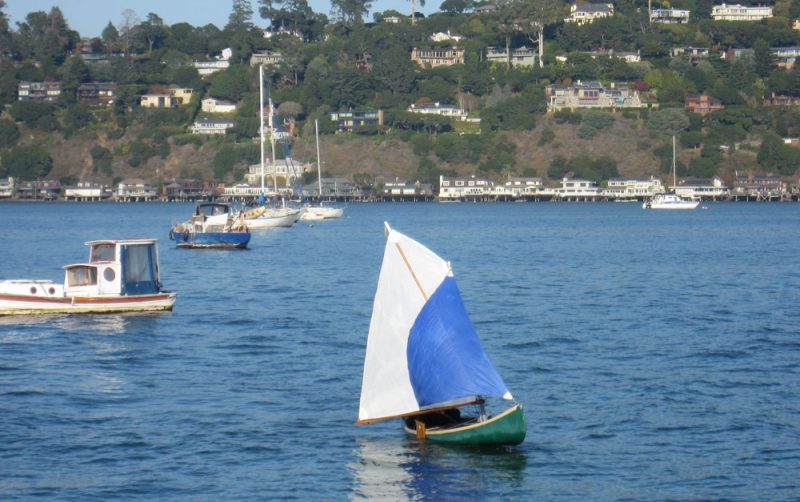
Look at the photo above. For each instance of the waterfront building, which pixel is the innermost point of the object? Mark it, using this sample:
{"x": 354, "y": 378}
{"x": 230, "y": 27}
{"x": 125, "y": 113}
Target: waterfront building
{"x": 738, "y": 12}
{"x": 520, "y": 57}
{"x": 191, "y": 189}
{"x": 702, "y": 103}
{"x": 209, "y": 126}
{"x": 348, "y": 121}
{"x": 669, "y": 16}
{"x": 97, "y": 93}
{"x": 214, "y": 105}
{"x": 638, "y": 188}
{"x": 7, "y": 188}
{"x": 88, "y": 191}
{"x": 135, "y": 190}
{"x": 405, "y": 189}
{"x": 577, "y": 189}
{"x": 584, "y": 13}
{"x": 335, "y": 188}
{"x": 713, "y": 188}
{"x": 281, "y": 169}
{"x": 440, "y": 56}
{"x": 39, "y": 190}
{"x": 451, "y": 188}
{"x": 38, "y": 91}
{"x": 591, "y": 95}
{"x": 518, "y": 187}
{"x": 765, "y": 186}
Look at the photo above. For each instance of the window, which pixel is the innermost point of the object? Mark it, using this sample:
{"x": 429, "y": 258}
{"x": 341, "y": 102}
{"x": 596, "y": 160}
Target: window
{"x": 81, "y": 276}
{"x": 102, "y": 252}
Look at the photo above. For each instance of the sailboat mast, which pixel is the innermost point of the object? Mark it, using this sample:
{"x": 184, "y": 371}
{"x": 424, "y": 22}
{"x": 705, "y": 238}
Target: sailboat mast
{"x": 261, "y": 117}
{"x": 319, "y": 165}
{"x": 272, "y": 145}
{"x": 674, "y": 176}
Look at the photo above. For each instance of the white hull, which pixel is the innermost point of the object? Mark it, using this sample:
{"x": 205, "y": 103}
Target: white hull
{"x": 272, "y": 218}
{"x": 315, "y": 213}
{"x": 669, "y": 201}
{"x": 20, "y": 297}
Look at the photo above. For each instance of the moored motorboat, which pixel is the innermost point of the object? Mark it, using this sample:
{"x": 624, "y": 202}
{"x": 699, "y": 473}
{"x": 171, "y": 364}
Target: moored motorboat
{"x": 424, "y": 362}
{"x": 213, "y": 225}
{"x": 121, "y": 276}
{"x": 669, "y": 201}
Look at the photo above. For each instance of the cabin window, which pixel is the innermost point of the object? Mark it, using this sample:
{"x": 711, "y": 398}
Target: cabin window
{"x": 139, "y": 273}
{"x": 109, "y": 274}
{"x": 102, "y": 252}
{"x": 82, "y": 276}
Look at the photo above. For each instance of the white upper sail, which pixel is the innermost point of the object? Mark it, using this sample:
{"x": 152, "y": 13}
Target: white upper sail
{"x": 409, "y": 275}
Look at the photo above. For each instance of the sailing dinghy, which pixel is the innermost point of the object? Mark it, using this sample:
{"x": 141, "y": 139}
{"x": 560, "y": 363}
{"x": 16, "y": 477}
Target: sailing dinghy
{"x": 424, "y": 360}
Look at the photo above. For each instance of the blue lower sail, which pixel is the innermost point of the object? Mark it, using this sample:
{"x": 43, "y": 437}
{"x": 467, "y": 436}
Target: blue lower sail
{"x": 446, "y": 360}
{"x": 210, "y": 239}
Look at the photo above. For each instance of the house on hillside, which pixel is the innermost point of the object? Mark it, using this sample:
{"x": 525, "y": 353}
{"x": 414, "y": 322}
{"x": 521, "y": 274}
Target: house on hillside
{"x": 738, "y": 12}
{"x": 97, "y": 93}
{"x": 211, "y": 126}
{"x": 444, "y": 37}
{"x": 669, "y": 16}
{"x": 214, "y": 105}
{"x": 520, "y": 57}
{"x": 266, "y": 58}
{"x": 591, "y": 95}
{"x": 584, "y": 13}
{"x": 38, "y": 91}
{"x": 349, "y": 121}
{"x": 702, "y": 103}
{"x": 436, "y": 109}
{"x": 442, "y": 56}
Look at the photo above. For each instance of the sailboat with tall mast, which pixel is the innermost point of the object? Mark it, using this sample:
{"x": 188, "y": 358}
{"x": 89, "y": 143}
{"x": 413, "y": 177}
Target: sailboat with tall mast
{"x": 319, "y": 211}
{"x": 424, "y": 361}
{"x": 670, "y": 200}
{"x": 267, "y": 216}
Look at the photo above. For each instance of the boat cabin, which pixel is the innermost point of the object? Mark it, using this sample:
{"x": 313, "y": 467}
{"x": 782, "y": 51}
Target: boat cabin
{"x": 116, "y": 267}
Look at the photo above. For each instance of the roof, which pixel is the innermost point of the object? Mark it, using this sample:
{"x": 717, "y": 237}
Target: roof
{"x": 121, "y": 241}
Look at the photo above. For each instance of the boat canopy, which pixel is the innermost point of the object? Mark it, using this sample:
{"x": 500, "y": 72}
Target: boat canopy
{"x": 422, "y": 351}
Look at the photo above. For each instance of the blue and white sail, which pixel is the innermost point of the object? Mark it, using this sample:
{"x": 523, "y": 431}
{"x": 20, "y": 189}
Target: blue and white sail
{"x": 422, "y": 351}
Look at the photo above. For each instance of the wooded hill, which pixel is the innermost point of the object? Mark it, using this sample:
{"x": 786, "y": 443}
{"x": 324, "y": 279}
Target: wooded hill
{"x": 345, "y": 63}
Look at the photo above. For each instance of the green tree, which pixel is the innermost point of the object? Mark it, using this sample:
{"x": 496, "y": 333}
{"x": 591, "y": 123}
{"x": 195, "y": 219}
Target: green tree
{"x": 775, "y": 155}
{"x": 101, "y": 159}
{"x": 241, "y": 16}
{"x": 9, "y": 134}
{"x": 27, "y": 162}
{"x": 351, "y": 12}
{"x": 668, "y": 122}
{"x": 34, "y": 114}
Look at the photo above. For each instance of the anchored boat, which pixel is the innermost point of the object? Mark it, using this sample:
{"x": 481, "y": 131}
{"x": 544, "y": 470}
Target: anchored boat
{"x": 424, "y": 362}
{"x": 121, "y": 276}
{"x": 213, "y": 225}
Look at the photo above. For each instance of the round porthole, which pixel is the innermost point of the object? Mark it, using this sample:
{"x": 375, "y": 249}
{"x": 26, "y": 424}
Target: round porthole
{"x": 33, "y": 290}
{"x": 52, "y": 291}
{"x": 109, "y": 274}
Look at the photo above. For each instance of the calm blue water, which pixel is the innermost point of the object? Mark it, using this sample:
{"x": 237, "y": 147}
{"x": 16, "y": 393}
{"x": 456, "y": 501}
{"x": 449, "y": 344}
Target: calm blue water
{"x": 657, "y": 356}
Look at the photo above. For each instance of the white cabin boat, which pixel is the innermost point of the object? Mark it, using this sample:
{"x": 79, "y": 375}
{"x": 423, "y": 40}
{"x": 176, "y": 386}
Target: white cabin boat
{"x": 121, "y": 276}
{"x": 669, "y": 201}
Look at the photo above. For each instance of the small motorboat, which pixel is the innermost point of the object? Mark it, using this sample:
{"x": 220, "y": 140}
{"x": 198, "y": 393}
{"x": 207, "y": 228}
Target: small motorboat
{"x": 213, "y": 225}
{"x": 121, "y": 276}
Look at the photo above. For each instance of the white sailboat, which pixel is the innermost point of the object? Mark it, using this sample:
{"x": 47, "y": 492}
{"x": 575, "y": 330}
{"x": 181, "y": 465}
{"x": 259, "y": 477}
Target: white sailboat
{"x": 320, "y": 211}
{"x": 670, "y": 200}
{"x": 265, "y": 216}
{"x": 423, "y": 358}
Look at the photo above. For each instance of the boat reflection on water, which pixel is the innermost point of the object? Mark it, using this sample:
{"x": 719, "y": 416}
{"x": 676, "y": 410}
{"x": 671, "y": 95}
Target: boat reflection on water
{"x": 394, "y": 469}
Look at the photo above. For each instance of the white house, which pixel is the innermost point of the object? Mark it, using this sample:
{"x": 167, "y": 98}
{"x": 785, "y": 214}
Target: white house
{"x": 669, "y": 16}
{"x": 517, "y": 187}
{"x": 135, "y": 189}
{"x": 444, "y": 37}
{"x": 209, "y": 126}
{"x": 437, "y": 109}
{"x": 87, "y": 191}
{"x": 266, "y": 58}
{"x": 626, "y": 188}
{"x": 221, "y": 62}
{"x": 7, "y": 188}
{"x": 713, "y": 188}
{"x": 739, "y": 12}
{"x": 587, "y": 12}
{"x": 213, "y": 105}
{"x": 461, "y": 188}
{"x": 577, "y": 189}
